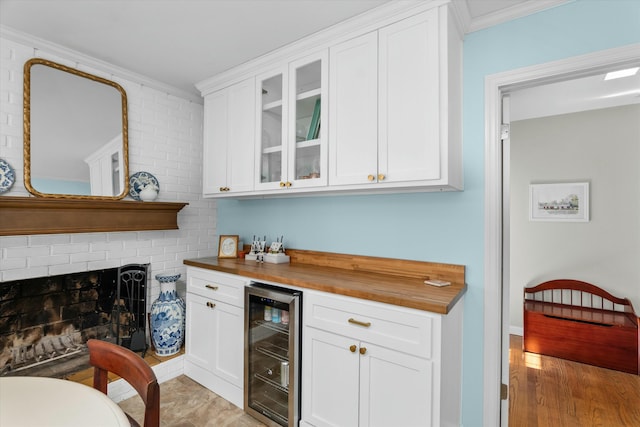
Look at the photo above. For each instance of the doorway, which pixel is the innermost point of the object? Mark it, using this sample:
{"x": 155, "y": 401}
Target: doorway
{"x": 496, "y": 327}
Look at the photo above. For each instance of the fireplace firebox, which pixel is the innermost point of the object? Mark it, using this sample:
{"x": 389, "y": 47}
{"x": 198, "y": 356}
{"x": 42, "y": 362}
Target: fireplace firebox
{"x": 48, "y": 320}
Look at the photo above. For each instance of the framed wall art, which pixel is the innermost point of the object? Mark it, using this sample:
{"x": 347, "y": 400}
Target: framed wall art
{"x": 561, "y": 202}
{"x": 228, "y": 246}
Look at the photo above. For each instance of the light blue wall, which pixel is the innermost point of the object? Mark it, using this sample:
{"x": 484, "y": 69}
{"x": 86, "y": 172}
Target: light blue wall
{"x": 442, "y": 227}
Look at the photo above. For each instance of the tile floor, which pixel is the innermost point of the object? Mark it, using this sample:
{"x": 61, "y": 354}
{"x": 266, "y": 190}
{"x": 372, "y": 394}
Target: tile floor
{"x": 183, "y": 402}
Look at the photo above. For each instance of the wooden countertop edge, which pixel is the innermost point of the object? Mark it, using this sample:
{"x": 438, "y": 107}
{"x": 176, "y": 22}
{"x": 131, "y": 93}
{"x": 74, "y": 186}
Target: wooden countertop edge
{"x": 359, "y": 284}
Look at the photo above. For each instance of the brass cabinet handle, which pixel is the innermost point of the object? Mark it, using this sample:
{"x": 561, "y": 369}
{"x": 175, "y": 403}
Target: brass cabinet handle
{"x": 353, "y": 348}
{"x": 288, "y": 184}
{"x": 381, "y": 177}
{"x": 210, "y": 304}
{"x": 224, "y": 189}
{"x": 357, "y": 322}
{"x": 371, "y": 177}
{"x": 363, "y": 350}
{"x": 221, "y": 188}
{"x": 212, "y": 287}
{"x": 282, "y": 184}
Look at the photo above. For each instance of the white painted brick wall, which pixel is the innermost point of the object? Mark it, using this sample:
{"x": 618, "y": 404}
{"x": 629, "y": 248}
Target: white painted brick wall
{"x": 165, "y": 138}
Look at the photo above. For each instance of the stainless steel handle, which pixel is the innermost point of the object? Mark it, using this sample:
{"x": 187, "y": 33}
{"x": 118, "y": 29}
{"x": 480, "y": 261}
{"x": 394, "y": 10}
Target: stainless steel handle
{"x": 212, "y": 287}
{"x": 358, "y": 322}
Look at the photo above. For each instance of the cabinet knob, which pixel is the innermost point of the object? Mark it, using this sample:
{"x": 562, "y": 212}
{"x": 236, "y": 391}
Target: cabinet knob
{"x": 353, "y": 348}
{"x": 363, "y": 350}
{"x": 288, "y": 184}
{"x": 210, "y": 304}
{"x": 282, "y": 184}
{"x": 212, "y": 287}
{"x": 221, "y": 189}
{"x": 371, "y": 177}
{"x": 381, "y": 177}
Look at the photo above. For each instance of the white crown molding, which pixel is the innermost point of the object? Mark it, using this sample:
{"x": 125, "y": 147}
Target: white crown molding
{"x": 517, "y": 11}
{"x": 75, "y": 56}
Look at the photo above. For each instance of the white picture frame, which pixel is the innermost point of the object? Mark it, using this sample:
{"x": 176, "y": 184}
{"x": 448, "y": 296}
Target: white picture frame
{"x": 559, "y": 202}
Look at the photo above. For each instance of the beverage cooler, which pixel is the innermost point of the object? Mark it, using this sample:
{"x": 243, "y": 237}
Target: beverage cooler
{"x": 272, "y": 354}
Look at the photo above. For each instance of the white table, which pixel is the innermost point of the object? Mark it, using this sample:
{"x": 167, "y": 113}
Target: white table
{"x": 39, "y": 402}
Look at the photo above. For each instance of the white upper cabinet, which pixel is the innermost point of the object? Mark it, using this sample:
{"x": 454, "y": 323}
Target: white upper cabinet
{"x": 390, "y": 107}
{"x": 377, "y": 107}
{"x": 229, "y": 129}
{"x": 291, "y": 148}
{"x": 353, "y": 110}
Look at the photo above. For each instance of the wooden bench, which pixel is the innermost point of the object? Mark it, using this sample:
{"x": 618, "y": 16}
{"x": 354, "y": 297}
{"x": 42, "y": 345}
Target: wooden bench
{"x": 579, "y": 321}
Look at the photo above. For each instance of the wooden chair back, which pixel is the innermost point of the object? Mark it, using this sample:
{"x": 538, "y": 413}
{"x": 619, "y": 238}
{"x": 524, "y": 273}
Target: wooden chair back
{"x": 106, "y": 357}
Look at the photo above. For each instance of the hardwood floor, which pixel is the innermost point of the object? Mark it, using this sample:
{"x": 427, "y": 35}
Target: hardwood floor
{"x": 547, "y": 391}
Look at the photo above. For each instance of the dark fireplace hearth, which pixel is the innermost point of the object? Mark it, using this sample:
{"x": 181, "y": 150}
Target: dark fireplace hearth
{"x": 45, "y": 322}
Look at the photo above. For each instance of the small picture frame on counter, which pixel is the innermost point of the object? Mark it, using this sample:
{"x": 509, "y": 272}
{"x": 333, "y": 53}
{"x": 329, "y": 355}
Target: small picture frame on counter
{"x": 228, "y": 246}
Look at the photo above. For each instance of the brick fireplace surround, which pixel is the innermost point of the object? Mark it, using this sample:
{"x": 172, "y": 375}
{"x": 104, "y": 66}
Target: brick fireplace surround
{"x": 165, "y": 139}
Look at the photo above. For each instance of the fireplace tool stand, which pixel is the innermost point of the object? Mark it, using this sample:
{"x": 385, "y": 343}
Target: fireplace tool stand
{"x": 128, "y": 316}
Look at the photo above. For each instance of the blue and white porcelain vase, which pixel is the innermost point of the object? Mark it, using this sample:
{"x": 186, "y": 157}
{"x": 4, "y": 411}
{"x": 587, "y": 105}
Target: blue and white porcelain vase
{"x": 167, "y": 317}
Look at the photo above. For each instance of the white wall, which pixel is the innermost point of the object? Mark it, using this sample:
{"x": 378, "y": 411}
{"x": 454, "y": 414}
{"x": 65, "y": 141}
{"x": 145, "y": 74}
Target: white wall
{"x": 165, "y": 138}
{"x": 601, "y": 147}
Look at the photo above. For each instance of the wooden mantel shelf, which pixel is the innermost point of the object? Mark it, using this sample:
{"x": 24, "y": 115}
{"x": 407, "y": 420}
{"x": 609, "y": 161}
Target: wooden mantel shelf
{"x": 29, "y": 215}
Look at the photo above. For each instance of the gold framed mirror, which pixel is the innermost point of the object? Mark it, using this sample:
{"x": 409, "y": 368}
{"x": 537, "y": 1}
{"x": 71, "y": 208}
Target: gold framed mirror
{"x": 75, "y": 133}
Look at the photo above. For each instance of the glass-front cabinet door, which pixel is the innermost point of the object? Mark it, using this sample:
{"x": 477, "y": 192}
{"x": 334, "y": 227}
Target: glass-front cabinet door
{"x": 308, "y": 148}
{"x": 271, "y": 130}
{"x": 291, "y": 144}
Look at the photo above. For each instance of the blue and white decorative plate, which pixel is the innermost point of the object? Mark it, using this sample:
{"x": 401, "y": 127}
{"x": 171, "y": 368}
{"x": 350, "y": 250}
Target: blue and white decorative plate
{"x": 7, "y": 176}
{"x": 138, "y": 181}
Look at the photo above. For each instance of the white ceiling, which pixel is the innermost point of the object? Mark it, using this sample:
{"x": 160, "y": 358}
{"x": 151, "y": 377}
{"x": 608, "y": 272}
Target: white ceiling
{"x": 181, "y": 42}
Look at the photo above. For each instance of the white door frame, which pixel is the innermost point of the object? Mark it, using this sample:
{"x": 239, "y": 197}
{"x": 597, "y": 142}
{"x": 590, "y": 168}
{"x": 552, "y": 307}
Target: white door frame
{"x": 495, "y": 328}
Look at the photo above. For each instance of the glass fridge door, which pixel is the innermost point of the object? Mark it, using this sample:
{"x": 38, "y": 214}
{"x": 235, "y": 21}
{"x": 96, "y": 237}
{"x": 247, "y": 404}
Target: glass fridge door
{"x": 270, "y": 357}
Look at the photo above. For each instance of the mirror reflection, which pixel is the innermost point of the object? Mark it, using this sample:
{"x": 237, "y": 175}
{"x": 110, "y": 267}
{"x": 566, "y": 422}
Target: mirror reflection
{"x": 75, "y": 138}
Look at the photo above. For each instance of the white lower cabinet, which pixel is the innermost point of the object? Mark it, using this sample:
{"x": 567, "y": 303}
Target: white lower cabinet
{"x": 215, "y": 329}
{"x": 373, "y": 364}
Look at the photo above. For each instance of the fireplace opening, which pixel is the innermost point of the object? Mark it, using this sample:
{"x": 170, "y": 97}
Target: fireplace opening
{"x": 45, "y": 322}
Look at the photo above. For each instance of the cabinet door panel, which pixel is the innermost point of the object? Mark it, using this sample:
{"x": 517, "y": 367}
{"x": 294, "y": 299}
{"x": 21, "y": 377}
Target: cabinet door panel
{"x": 329, "y": 380}
{"x": 353, "y": 89}
{"x": 214, "y": 171}
{"x": 199, "y": 327}
{"x": 395, "y": 389}
{"x": 307, "y": 146}
{"x": 228, "y": 343}
{"x": 271, "y": 129}
{"x": 241, "y": 124}
{"x": 409, "y": 104}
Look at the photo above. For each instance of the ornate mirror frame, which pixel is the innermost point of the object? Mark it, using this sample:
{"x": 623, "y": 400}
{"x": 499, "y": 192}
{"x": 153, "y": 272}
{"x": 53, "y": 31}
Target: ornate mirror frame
{"x": 27, "y": 131}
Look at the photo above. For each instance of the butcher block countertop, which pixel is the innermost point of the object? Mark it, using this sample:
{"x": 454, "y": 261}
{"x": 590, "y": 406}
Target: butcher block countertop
{"x": 387, "y": 280}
